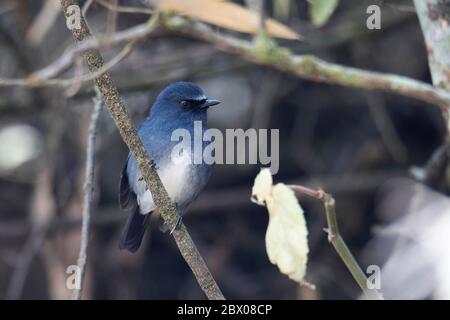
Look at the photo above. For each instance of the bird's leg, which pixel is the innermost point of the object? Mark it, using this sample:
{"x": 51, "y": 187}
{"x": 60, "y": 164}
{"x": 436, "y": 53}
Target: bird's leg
{"x": 177, "y": 224}
{"x": 163, "y": 226}
{"x": 179, "y": 220}
{"x": 153, "y": 166}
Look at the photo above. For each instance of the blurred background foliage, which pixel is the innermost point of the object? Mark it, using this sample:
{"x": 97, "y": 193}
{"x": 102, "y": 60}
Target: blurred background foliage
{"x": 345, "y": 140}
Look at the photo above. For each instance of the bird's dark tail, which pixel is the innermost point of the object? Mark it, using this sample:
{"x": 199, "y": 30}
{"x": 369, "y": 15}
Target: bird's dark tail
{"x": 133, "y": 232}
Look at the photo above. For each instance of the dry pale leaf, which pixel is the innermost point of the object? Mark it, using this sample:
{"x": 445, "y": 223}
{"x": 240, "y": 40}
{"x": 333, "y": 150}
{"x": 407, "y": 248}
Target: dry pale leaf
{"x": 227, "y": 15}
{"x": 286, "y": 236}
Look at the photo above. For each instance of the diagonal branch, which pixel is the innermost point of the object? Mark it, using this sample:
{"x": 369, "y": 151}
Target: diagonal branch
{"x": 44, "y": 76}
{"x": 25, "y": 259}
{"x": 117, "y": 8}
{"x": 112, "y": 100}
{"x": 336, "y": 239}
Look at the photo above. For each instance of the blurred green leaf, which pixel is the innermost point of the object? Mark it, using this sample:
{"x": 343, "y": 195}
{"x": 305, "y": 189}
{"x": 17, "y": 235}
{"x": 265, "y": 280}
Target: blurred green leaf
{"x": 281, "y": 9}
{"x": 321, "y": 10}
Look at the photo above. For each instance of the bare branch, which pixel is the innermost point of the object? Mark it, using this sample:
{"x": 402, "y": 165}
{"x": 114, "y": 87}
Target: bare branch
{"x": 88, "y": 191}
{"x": 111, "y": 18}
{"x": 312, "y": 68}
{"x": 43, "y": 22}
{"x": 33, "y": 81}
{"x": 41, "y": 77}
{"x": 86, "y": 7}
{"x": 124, "y": 9}
{"x": 24, "y": 260}
{"x": 386, "y": 128}
{"x": 304, "y": 66}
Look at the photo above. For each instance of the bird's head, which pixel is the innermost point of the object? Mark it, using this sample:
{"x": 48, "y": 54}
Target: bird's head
{"x": 183, "y": 97}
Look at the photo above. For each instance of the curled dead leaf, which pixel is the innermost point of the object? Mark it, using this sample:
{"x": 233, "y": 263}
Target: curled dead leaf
{"x": 286, "y": 236}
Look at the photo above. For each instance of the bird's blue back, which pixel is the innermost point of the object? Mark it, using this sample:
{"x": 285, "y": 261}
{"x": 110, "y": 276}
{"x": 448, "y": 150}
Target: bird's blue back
{"x": 156, "y": 131}
{"x": 177, "y": 107}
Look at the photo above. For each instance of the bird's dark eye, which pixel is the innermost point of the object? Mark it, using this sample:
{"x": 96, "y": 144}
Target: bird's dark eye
{"x": 185, "y": 103}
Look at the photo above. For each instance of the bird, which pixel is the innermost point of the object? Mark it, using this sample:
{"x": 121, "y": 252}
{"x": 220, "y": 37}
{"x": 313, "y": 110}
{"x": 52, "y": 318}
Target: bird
{"x": 177, "y": 106}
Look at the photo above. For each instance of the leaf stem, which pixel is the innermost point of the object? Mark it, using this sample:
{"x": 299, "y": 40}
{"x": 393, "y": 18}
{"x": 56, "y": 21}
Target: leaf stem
{"x": 337, "y": 241}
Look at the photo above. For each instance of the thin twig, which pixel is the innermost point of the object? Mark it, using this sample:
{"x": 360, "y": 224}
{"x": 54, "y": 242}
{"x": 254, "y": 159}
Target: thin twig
{"x": 111, "y": 18}
{"x": 303, "y": 66}
{"x": 35, "y": 81}
{"x": 88, "y": 191}
{"x": 10, "y": 6}
{"x": 314, "y": 69}
{"x": 262, "y": 16}
{"x": 74, "y": 88}
{"x": 434, "y": 170}
{"x": 167, "y": 208}
{"x": 108, "y": 65}
{"x": 23, "y": 263}
{"x": 43, "y": 22}
{"x": 42, "y": 77}
{"x": 209, "y": 200}
{"x": 384, "y": 124}
{"x": 124, "y": 9}
{"x": 336, "y": 239}
{"x": 86, "y": 7}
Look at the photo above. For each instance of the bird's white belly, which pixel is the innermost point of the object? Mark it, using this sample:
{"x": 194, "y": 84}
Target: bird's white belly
{"x": 174, "y": 176}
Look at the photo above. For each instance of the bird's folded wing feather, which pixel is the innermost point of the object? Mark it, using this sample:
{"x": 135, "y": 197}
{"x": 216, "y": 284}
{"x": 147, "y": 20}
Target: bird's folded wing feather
{"x": 125, "y": 194}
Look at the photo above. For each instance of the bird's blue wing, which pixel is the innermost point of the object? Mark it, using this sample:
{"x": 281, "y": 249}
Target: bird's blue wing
{"x": 126, "y": 196}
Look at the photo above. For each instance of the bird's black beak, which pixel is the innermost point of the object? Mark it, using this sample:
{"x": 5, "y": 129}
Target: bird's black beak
{"x": 209, "y": 103}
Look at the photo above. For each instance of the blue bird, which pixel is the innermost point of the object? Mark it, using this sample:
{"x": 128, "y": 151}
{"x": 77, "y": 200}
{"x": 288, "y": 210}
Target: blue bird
{"x": 176, "y": 107}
